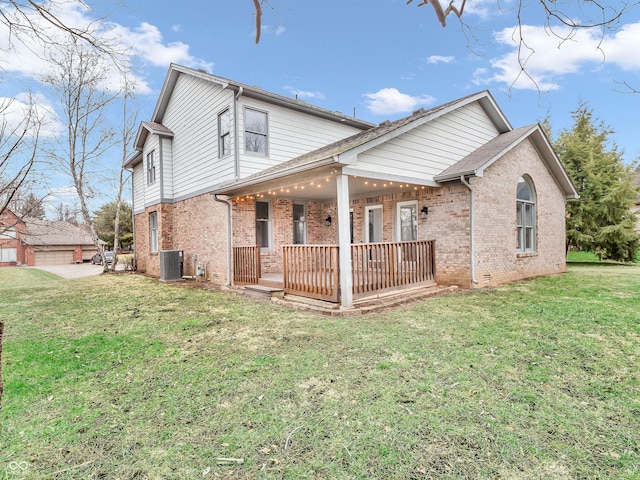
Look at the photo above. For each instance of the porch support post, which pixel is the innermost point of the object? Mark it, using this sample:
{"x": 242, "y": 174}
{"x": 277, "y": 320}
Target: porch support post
{"x": 344, "y": 241}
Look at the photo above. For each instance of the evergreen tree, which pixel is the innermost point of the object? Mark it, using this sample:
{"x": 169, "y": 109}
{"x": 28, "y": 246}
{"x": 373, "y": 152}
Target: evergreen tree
{"x": 104, "y": 219}
{"x": 601, "y": 220}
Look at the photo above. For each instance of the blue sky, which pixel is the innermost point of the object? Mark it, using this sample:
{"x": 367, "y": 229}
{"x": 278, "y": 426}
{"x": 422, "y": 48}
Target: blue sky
{"x": 380, "y": 59}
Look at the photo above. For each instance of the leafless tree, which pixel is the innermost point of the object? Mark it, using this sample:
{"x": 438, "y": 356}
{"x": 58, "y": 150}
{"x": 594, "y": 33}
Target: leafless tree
{"x": 80, "y": 84}
{"x": 29, "y": 20}
{"x": 127, "y": 135}
{"x": 19, "y": 134}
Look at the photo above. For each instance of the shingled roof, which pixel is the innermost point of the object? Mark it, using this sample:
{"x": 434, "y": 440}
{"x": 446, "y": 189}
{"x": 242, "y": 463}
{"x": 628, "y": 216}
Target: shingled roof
{"x": 329, "y": 153}
{"x": 477, "y": 161}
{"x": 44, "y": 232}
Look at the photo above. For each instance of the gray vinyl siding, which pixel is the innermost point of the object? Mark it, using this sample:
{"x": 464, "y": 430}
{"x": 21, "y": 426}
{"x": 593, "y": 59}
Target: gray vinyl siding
{"x": 290, "y": 134}
{"x": 167, "y": 168}
{"x": 139, "y": 181}
{"x": 192, "y": 115}
{"x": 152, "y": 192}
{"x": 427, "y": 150}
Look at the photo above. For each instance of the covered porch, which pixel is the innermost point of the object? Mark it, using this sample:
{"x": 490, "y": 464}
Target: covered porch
{"x": 328, "y": 235}
{"x": 314, "y": 270}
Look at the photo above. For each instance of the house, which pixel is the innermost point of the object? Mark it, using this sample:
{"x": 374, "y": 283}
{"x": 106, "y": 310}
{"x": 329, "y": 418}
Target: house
{"x": 36, "y": 242}
{"x": 246, "y": 185}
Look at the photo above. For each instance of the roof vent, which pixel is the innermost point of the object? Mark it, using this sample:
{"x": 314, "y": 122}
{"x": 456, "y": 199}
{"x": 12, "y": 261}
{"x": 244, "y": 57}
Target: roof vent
{"x": 385, "y": 123}
{"x": 419, "y": 111}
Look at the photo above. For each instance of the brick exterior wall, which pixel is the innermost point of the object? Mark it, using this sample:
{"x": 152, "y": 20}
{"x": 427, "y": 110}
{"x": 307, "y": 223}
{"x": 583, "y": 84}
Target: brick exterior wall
{"x": 10, "y": 221}
{"x": 198, "y": 226}
{"x": 496, "y": 256}
{"x": 447, "y": 223}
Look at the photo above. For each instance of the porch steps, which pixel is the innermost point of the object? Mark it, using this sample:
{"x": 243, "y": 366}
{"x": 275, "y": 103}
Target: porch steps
{"x": 368, "y": 304}
{"x": 275, "y": 282}
{"x": 401, "y": 297}
{"x": 263, "y": 292}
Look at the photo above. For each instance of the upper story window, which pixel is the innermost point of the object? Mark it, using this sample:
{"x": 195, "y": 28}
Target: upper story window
{"x": 224, "y": 133}
{"x": 255, "y": 131}
{"x": 526, "y": 215}
{"x": 151, "y": 167}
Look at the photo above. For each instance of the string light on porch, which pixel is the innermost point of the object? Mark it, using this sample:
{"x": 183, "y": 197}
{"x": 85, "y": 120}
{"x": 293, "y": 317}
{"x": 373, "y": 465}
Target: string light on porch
{"x": 284, "y": 190}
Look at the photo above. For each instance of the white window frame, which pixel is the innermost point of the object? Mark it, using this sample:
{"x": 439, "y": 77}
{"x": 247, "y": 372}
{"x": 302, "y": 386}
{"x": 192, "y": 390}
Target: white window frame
{"x": 302, "y": 220}
{"x": 153, "y": 232}
{"x": 224, "y": 135}
{"x": 8, "y": 255}
{"x": 9, "y": 232}
{"x": 399, "y": 205}
{"x": 368, "y": 209}
{"x": 151, "y": 168}
{"x": 248, "y": 131}
{"x": 526, "y": 225}
{"x": 269, "y": 225}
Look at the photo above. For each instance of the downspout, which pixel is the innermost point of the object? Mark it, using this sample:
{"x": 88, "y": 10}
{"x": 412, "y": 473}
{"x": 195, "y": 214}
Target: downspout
{"x": 236, "y": 140}
{"x": 471, "y": 235}
{"x": 226, "y": 201}
{"x": 133, "y": 224}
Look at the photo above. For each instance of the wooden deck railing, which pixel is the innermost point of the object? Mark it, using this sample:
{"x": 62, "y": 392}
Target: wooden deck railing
{"x": 246, "y": 264}
{"x": 311, "y": 271}
{"x": 385, "y": 266}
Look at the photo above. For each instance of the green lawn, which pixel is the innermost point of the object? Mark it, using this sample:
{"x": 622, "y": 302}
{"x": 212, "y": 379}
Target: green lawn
{"x": 123, "y": 377}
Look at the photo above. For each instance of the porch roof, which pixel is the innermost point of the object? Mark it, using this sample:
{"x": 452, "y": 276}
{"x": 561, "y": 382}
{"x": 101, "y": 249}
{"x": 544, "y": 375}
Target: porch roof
{"x": 476, "y": 162}
{"x": 344, "y": 152}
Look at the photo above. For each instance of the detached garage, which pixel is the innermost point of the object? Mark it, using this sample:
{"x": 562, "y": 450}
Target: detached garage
{"x": 36, "y": 242}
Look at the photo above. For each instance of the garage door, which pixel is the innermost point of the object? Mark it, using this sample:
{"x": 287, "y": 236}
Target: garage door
{"x": 55, "y": 257}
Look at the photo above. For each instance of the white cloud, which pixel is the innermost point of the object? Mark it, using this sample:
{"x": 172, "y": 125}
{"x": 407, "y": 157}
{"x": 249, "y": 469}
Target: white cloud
{"x": 305, "y": 94}
{"x": 14, "y": 112}
{"x": 547, "y": 56}
{"x": 440, "y": 59}
{"x": 277, "y": 31}
{"x": 27, "y": 57}
{"x": 388, "y": 101}
{"x": 146, "y": 41}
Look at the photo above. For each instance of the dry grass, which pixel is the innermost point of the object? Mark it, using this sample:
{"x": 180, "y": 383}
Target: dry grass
{"x": 120, "y": 376}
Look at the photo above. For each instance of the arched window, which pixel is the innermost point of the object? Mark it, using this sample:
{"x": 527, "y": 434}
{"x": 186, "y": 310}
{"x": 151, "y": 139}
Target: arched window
{"x": 526, "y": 215}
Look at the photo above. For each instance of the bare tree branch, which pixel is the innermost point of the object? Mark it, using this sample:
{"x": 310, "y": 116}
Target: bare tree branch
{"x": 440, "y": 14}
{"x": 18, "y": 151}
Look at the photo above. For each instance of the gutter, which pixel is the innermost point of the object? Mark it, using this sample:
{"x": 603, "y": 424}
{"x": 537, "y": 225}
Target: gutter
{"x": 226, "y": 202}
{"x": 472, "y": 269}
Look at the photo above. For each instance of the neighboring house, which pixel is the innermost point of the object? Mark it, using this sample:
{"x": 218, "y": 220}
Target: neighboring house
{"x": 37, "y": 242}
{"x": 12, "y": 250}
{"x": 244, "y": 184}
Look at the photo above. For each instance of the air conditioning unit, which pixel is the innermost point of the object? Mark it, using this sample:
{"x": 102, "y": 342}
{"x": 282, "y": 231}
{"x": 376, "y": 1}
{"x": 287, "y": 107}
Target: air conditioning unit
{"x": 171, "y": 262}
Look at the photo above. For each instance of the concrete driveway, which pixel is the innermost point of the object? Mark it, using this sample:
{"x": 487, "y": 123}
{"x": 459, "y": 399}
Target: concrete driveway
{"x": 72, "y": 271}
